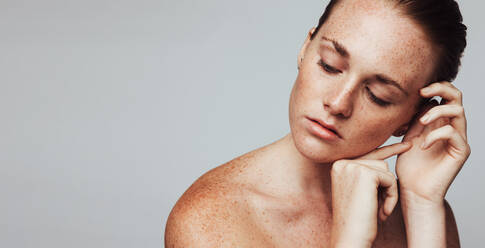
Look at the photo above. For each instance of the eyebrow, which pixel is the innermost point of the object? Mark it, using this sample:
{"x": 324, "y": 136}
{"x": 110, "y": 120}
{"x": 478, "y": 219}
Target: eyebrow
{"x": 338, "y": 47}
{"x": 385, "y": 79}
{"x": 380, "y": 77}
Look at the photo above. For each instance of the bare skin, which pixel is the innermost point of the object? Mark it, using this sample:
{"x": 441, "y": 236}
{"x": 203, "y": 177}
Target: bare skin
{"x": 249, "y": 202}
{"x": 283, "y": 194}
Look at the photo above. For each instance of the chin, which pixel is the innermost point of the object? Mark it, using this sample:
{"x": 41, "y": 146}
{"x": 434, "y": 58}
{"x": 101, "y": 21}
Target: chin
{"x": 319, "y": 151}
{"x": 313, "y": 149}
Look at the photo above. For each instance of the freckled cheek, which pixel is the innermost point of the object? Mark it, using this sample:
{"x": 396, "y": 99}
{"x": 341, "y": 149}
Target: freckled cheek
{"x": 300, "y": 92}
{"x": 306, "y": 89}
{"x": 305, "y": 82}
{"x": 301, "y": 98}
{"x": 376, "y": 129}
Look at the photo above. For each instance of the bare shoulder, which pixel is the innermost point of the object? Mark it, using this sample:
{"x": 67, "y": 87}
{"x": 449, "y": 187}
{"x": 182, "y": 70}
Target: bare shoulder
{"x": 212, "y": 212}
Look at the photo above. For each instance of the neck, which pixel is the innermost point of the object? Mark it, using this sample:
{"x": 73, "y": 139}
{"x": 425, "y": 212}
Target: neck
{"x": 305, "y": 176}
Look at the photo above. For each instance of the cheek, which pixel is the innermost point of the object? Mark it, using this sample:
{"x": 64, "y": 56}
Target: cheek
{"x": 302, "y": 92}
{"x": 375, "y": 130}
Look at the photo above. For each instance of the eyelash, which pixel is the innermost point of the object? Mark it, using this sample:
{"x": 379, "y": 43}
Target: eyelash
{"x": 331, "y": 70}
{"x": 377, "y": 100}
{"x": 328, "y": 68}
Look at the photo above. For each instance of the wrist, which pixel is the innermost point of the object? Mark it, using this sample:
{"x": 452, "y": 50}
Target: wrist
{"x": 424, "y": 220}
{"x": 349, "y": 238}
{"x": 346, "y": 243}
{"x": 422, "y": 212}
{"x": 415, "y": 202}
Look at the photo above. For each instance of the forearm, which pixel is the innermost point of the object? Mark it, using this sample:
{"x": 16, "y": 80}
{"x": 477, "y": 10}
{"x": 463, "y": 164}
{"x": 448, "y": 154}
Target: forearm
{"x": 342, "y": 241}
{"x": 425, "y": 222}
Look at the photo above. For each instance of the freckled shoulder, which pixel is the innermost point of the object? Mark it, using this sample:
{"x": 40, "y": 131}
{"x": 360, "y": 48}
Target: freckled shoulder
{"x": 213, "y": 211}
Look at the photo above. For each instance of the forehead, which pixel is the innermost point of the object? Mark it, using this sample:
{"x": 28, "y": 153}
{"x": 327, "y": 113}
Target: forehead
{"x": 380, "y": 39}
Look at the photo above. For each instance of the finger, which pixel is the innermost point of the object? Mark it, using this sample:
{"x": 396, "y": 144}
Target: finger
{"x": 387, "y": 151}
{"x": 416, "y": 126}
{"x": 447, "y": 133}
{"x": 381, "y": 213}
{"x": 459, "y": 149}
{"x": 387, "y": 181}
{"x": 455, "y": 112}
{"x": 444, "y": 89}
{"x": 391, "y": 198}
{"x": 374, "y": 163}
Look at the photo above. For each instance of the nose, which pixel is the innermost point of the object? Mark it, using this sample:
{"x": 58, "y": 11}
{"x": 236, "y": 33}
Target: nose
{"x": 339, "y": 100}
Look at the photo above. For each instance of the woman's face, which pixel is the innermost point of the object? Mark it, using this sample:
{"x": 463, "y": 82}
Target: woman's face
{"x": 361, "y": 73}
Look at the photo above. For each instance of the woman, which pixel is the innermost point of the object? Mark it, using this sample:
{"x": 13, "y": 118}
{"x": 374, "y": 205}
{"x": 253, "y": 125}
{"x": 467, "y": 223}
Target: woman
{"x": 365, "y": 73}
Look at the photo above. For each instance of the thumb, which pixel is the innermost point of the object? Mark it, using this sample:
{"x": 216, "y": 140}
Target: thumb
{"x": 391, "y": 196}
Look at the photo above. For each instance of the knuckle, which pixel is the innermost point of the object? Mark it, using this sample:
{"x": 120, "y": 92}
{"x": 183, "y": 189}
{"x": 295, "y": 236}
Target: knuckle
{"x": 468, "y": 149}
{"x": 387, "y": 165}
{"x": 458, "y": 94}
{"x": 336, "y": 164}
{"x": 384, "y": 164}
{"x": 361, "y": 170}
{"x": 347, "y": 169}
{"x": 352, "y": 166}
{"x": 340, "y": 162}
{"x": 460, "y": 110}
{"x": 448, "y": 129}
{"x": 339, "y": 165}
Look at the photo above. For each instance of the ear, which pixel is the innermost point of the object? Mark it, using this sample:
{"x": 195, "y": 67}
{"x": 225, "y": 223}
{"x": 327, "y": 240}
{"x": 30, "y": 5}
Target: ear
{"x": 403, "y": 129}
{"x": 400, "y": 131}
{"x": 301, "y": 54}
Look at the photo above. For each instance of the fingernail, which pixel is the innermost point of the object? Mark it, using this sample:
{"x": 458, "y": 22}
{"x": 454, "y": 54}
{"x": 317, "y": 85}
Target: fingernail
{"x": 424, "y": 118}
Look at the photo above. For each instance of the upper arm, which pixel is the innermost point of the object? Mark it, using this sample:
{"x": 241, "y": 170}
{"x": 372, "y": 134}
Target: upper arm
{"x": 452, "y": 237}
{"x": 204, "y": 218}
{"x": 186, "y": 228}
{"x": 193, "y": 220}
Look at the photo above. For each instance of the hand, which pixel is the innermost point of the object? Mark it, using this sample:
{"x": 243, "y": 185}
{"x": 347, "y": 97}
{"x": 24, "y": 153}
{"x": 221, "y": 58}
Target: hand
{"x": 355, "y": 184}
{"x": 425, "y": 174}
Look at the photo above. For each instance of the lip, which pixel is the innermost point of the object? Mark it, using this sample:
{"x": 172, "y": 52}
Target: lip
{"x": 323, "y": 130}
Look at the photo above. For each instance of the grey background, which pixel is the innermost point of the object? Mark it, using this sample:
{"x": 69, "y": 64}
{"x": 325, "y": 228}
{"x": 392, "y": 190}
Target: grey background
{"x": 111, "y": 109}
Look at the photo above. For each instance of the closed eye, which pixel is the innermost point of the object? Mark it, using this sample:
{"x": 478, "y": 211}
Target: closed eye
{"x": 332, "y": 70}
{"x": 376, "y": 99}
{"x": 328, "y": 68}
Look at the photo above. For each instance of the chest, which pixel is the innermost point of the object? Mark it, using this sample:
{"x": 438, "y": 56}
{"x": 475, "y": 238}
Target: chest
{"x": 314, "y": 230}
{"x": 294, "y": 228}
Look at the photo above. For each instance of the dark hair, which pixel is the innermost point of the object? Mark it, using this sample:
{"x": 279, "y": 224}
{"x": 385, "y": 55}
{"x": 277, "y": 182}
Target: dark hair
{"x": 441, "y": 20}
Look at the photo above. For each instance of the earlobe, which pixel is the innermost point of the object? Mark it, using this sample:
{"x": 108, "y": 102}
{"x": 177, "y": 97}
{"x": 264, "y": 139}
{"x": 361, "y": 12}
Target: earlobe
{"x": 401, "y": 131}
